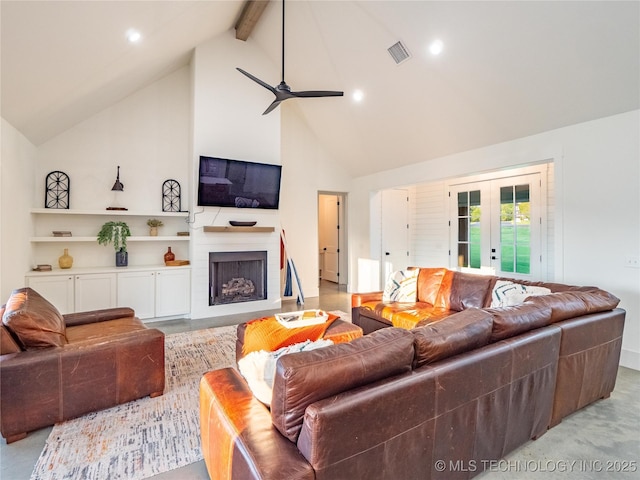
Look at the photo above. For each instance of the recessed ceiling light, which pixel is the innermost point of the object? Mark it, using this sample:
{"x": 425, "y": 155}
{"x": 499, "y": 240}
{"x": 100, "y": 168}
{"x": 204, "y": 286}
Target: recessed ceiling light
{"x": 134, "y": 36}
{"x": 358, "y": 95}
{"x": 436, "y": 47}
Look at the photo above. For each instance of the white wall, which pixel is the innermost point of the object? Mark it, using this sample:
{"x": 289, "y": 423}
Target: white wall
{"x": 307, "y": 169}
{"x": 148, "y": 135}
{"x": 597, "y": 199}
{"x": 17, "y": 163}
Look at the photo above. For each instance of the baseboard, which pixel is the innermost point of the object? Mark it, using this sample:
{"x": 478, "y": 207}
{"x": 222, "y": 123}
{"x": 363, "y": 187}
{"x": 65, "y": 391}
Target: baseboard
{"x": 630, "y": 359}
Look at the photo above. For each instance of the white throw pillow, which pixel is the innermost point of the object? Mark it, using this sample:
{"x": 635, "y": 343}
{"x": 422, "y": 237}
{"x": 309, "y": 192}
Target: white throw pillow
{"x": 508, "y": 294}
{"x": 258, "y": 367}
{"x": 402, "y": 286}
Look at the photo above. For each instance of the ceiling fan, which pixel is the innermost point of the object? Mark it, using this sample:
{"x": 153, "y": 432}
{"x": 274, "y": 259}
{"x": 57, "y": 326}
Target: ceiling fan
{"x": 282, "y": 91}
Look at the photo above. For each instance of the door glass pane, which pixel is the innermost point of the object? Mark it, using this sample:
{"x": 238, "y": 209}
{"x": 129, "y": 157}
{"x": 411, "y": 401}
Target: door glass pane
{"x": 515, "y": 229}
{"x": 469, "y": 229}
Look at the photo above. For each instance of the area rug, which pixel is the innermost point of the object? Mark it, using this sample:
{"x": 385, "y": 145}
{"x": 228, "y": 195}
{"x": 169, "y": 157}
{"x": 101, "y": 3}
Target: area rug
{"x": 148, "y": 436}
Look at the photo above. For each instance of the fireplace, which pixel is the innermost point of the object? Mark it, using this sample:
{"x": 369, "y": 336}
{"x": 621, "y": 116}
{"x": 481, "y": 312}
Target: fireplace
{"x": 236, "y": 277}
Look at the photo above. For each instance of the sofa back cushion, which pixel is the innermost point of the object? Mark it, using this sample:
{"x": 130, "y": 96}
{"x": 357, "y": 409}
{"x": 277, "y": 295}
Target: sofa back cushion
{"x": 575, "y": 303}
{"x": 458, "y": 333}
{"x": 33, "y": 321}
{"x": 469, "y": 290}
{"x": 429, "y": 282}
{"x": 511, "y": 321}
{"x": 306, "y": 377}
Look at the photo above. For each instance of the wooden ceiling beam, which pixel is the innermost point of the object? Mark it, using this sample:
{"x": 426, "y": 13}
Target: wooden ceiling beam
{"x": 249, "y": 17}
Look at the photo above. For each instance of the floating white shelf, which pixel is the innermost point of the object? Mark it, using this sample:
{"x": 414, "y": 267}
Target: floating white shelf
{"x": 113, "y": 213}
{"x": 159, "y": 238}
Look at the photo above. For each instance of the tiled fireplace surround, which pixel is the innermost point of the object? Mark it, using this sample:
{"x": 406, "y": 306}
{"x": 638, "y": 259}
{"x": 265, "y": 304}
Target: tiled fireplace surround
{"x": 202, "y": 243}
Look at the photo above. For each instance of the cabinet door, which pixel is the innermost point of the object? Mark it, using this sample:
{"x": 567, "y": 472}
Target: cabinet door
{"x": 173, "y": 292}
{"x": 95, "y": 291}
{"x": 57, "y": 289}
{"x": 137, "y": 290}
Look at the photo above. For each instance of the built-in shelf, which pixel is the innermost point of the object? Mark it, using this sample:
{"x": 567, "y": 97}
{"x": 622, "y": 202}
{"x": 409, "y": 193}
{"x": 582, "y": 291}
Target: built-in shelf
{"x": 238, "y": 229}
{"x": 133, "y": 213}
{"x": 159, "y": 238}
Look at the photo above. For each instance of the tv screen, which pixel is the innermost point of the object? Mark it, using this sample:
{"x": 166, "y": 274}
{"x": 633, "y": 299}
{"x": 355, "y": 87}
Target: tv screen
{"x": 236, "y": 183}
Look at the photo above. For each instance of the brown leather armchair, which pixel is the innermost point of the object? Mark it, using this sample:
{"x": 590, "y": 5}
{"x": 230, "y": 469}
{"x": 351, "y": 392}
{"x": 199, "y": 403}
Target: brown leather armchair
{"x": 55, "y": 367}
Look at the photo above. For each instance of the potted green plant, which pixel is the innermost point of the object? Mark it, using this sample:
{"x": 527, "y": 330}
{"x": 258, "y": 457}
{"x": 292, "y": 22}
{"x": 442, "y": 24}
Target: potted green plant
{"x": 153, "y": 224}
{"x": 116, "y": 233}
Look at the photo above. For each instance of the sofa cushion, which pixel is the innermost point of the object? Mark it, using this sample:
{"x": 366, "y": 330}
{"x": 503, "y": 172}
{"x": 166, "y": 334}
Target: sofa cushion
{"x": 401, "y": 286}
{"x": 461, "y": 332}
{"x": 511, "y": 321}
{"x": 469, "y": 290}
{"x": 306, "y": 377}
{"x": 429, "y": 282}
{"x": 574, "y": 303}
{"x": 34, "y": 321}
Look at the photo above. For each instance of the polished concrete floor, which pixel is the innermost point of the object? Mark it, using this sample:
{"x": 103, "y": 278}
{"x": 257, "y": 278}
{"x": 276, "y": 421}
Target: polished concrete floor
{"x": 602, "y": 441}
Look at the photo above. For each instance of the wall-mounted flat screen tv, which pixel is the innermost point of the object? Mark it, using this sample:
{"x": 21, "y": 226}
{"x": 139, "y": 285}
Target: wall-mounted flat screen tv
{"x": 237, "y": 183}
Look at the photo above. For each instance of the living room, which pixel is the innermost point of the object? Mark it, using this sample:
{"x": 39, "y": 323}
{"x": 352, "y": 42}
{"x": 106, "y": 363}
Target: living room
{"x": 159, "y": 131}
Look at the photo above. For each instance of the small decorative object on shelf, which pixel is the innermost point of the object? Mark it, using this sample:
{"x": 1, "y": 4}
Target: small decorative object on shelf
{"x": 42, "y": 268}
{"x": 118, "y": 186}
{"x": 61, "y": 233}
{"x": 65, "y": 260}
{"x": 57, "y": 190}
{"x": 169, "y": 256}
{"x": 116, "y": 233}
{"x": 171, "y": 196}
{"x": 153, "y": 224}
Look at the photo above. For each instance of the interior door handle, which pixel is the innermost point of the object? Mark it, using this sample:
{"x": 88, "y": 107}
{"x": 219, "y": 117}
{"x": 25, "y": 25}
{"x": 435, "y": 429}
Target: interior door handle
{"x": 387, "y": 253}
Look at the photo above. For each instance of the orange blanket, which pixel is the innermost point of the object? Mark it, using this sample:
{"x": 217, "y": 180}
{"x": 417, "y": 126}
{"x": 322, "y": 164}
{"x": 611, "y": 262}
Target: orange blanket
{"x": 267, "y": 334}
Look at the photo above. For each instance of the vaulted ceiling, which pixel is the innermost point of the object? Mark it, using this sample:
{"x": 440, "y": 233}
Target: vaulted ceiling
{"x": 507, "y": 70}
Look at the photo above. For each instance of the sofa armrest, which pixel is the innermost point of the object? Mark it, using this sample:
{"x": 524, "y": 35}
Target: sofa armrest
{"x": 95, "y": 316}
{"x": 238, "y": 438}
{"x": 358, "y": 299}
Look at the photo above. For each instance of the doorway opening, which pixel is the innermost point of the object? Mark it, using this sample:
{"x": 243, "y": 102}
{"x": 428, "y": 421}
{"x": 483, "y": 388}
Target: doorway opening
{"x": 332, "y": 248}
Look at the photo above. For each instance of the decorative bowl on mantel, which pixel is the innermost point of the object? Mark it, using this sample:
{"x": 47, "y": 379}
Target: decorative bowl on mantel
{"x": 235, "y": 223}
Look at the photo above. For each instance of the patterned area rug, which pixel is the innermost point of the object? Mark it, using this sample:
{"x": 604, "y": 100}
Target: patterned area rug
{"x": 148, "y": 436}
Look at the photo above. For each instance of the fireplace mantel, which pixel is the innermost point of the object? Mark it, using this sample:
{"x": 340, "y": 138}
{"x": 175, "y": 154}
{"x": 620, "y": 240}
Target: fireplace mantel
{"x": 231, "y": 229}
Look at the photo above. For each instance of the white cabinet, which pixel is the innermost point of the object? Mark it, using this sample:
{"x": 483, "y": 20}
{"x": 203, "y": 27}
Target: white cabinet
{"x": 136, "y": 289}
{"x": 57, "y": 289}
{"x": 152, "y": 291}
{"x": 95, "y": 291}
{"x": 173, "y": 292}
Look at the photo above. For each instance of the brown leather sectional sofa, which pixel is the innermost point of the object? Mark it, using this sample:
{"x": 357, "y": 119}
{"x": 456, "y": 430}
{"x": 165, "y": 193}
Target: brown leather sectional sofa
{"x": 440, "y": 400}
{"x": 55, "y": 367}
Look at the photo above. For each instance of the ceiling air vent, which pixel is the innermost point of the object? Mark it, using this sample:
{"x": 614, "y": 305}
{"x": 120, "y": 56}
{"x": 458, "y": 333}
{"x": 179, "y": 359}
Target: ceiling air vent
{"x": 398, "y": 52}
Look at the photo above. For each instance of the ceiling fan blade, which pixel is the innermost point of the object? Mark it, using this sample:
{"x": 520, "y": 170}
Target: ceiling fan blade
{"x": 317, "y": 93}
{"x": 257, "y": 80}
{"x": 272, "y": 107}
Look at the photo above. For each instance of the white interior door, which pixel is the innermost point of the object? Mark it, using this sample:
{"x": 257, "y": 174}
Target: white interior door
{"x": 328, "y": 233}
{"x": 395, "y": 231}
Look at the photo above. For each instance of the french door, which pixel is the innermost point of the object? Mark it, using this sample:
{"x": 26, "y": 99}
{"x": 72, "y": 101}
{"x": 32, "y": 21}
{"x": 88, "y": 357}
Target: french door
{"x": 496, "y": 225}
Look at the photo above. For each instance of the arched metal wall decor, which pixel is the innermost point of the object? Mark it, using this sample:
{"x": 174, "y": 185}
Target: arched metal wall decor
{"x": 171, "y": 196}
{"x": 57, "y": 186}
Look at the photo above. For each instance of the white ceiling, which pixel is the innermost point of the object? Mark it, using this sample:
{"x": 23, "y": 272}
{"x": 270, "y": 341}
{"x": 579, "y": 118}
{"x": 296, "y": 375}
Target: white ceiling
{"x": 508, "y": 69}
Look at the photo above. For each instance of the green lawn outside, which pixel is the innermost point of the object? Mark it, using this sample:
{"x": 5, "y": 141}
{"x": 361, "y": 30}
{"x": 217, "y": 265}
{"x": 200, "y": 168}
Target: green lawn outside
{"x": 523, "y": 257}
